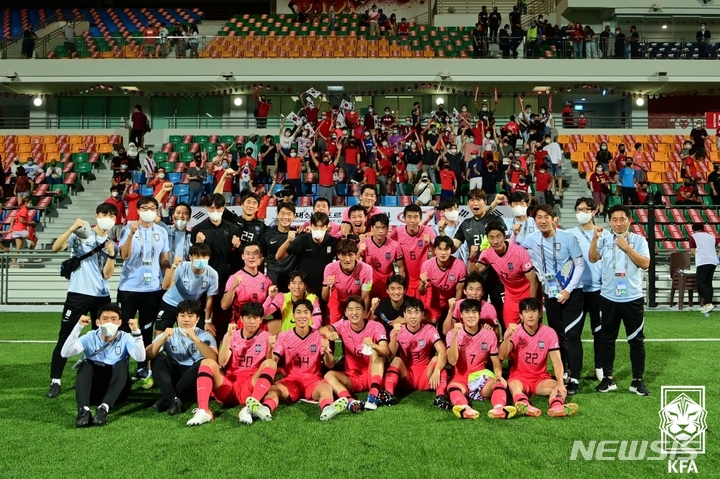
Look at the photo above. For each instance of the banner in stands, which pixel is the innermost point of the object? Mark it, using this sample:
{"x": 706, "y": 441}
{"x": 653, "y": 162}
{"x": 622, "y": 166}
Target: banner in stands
{"x": 303, "y": 214}
{"x": 712, "y": 119}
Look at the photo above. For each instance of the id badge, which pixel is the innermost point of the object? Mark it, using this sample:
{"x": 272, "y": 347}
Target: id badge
{"x": 620, "y": 288}
{"x": 553, "y": 288}
{"x": 147, "y": 276}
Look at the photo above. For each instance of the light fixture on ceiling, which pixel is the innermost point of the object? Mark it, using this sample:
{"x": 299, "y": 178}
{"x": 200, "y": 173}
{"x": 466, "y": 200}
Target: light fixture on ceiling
{"x": 439, "y": 101}
{"x": 12, "y": 75}
{"x": 582, "y": 99}
{"x": 130, "y": 88}
{"x": 640, "y": 101}
{"x": 335, "y": 88}
{"x": 228, "y": 75}
{"x": 37, "y": 101}
{"x": 237, "y": 101}
{"x": 664, "y": 27}
{"x": 541, "y": 88}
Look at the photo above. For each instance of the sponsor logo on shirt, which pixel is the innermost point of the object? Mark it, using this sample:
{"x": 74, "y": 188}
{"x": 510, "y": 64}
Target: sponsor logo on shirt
{"x": 541, "y": 344}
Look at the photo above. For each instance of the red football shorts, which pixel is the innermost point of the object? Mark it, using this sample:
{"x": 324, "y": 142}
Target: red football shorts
{"x": 529, "y": 384}
{"x": 359, "y": 379}
{"x": 417, "y": 379}
{"x": 300, "y": 387}
{"x": 234, "y": 391}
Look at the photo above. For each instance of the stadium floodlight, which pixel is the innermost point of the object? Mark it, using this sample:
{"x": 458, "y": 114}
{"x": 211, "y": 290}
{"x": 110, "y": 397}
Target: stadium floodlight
{"x": 439, "y": 101}
{"x": 237, "y": 101}
{"x": 640, "y": 102}
{"x": 37, "y": 101}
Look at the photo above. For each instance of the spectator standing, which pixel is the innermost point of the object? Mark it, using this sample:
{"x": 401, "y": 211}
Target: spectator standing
{"x": 28, "y": 43}
{"x": 262, "y": 108}
{"x": 373, "y": 19}
{"x": 479, "y": 41}
{"x": 88, "y": 289}
{"x": 698, "y": 136}
{"x": 532, "y": 48}
{"x": 702, "y": 37}
{"x": 483, "y": 17}
{"x": 515, "y": 16}
{"x": 196, "y": 177}
{"x": 163, "y": 40}
{"x": 139, "y": 125}
{"x": 605, "y": 42}
{"x": 568, "y": 115}
{"x": 624, "y": 256}
{"x": 68, "y": 33}
{"x": 150, "y": 34}
{"x": 704, "y": 247}
{"x": 634, "y": 41}
{"x": 555, "y": 153}
{"x": 494, "y": 20}
{"x": 578, "y": 37}
{"x": 620, "y": 42}
{"x": 591, "y": 43}
{"x": 714, "y": 182}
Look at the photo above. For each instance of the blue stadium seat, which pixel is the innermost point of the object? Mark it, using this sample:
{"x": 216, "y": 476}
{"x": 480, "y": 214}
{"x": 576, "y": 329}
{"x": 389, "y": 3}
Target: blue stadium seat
{"x": 180, "y": 190}
{"x": 175, "y": 178}
{"x": 342, "y": 189}
{"x": 389, "y": 201}
{"x": 146, "y": 190}
{"x": 138, "y": 177}
{"x": 352, "y": 201}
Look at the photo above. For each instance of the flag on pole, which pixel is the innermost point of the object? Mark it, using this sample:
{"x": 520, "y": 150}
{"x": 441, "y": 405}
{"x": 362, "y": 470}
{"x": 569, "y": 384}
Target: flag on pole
{"x": 496, "y": 96}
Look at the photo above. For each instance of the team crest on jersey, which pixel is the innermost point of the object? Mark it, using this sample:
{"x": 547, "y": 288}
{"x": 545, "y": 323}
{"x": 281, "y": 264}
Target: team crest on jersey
{"x": 484, "y": 346}
{"x": 558, "y": 246}
{"x": 313, "y": 348}
{"x": 421, "y": 343}
{"x": 257, "y": 228}
{"x": 157, "y": 237}
{"x": 531, "y": 229}
{"x": 262, "y": 286}
{"x": 258, "y": 348}
{"x": 118, "y": 350}
{"x": 510, "y": 266}
{"x": 452, "y": 277}
{"x": 357, "y": 282}
{"x": 420, "y": 243}
{"x": 388, "y": 256}
{"x": 204, "y": 285}
{"x": 541, "y": 344}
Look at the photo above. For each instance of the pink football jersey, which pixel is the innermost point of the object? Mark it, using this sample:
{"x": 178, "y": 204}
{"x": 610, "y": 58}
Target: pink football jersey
{"x": 353, "y": 342}
{"x": 252, "y": 289}
{"x": 247, "y": 354}
{"x": 303, "y": 356}
{"x": 442, "y": 282}
{"x": 416, "y": 349}
{"x": 511, "y": 268}
{"x": 348, "y": 284}
{"x": 488, "y": 315}
{"x": 414, "y": 247}
{"x": 381, "y": 258}
{"x": 373, "y": 211}
{"x": 474, "y": 350}
{"x": 531, "y": 351}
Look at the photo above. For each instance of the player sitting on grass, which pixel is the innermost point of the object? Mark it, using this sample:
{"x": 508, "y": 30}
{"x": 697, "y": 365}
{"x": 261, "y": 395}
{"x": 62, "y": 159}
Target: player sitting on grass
{"x": 102, "y": 373}
{"x": 246, "y": 355}
{"x": 176, "y": 371}
{"x": 473, "y": 290}
{"x": 365, "y": 347}
{"x": 530, "y": 344}
{"x": 469, "y": 347}
{"x": 301, "y": 350}
{"x": 414, "y": 366}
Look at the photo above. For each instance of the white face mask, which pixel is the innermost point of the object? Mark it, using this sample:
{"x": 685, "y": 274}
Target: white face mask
{"x": 114, "y": 194}
{"x": 293, "y": 154}
{"x": 583, "y": 218}
{"x": 317, "y": 234}
{"x": 161, "y": 175}
{"x": 219, "y": 152}
{"x": 519, "y": 211}
{"x": 108, "y": 329}
{"x": 148, "y": 216}
{"x": 215, "y": 215}
{"x": 180, "y": 224}
{"x": 452, "y": 215}
{"x": 105, "y": 224}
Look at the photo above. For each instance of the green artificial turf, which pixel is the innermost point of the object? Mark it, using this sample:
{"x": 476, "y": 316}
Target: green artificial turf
{"x": 411, "y": 439}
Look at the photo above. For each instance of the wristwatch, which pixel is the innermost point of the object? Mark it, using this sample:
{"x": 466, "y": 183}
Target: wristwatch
{"x": 208, "y": 321}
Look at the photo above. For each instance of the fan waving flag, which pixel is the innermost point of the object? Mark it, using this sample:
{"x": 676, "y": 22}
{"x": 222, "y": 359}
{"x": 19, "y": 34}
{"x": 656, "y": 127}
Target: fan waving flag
{"x": 313, "y": 93}
{"x": 295, "y": 119}
{"x": 346, "y": 105}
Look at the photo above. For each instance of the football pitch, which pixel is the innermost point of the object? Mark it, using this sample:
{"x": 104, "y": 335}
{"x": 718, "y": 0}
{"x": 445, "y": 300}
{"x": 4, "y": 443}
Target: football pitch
{"x": 411, "y": 439}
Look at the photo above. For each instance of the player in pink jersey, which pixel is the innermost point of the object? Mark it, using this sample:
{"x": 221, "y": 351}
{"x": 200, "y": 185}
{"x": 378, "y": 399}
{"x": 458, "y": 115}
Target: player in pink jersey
{"x": 469, "y": 348}
{"x": 344, "y": 278}
{"x": 473, "y": 290}
{"x": 382, "y": 254}
{"x": 368, "y": 198}
{"x": 514, "y": 267}
{"x": 415, "y": 366}
{"x": 532, "y": 343}
{"x": 249, "y": 285}
{"x": 365, "y": 347}
{"x": 416, "y": 244}
{"x": 358, "y": 224}
{"x": 246, "y": 355}
{"x": 441, "y": 278}
{"x": 302, "y": 350}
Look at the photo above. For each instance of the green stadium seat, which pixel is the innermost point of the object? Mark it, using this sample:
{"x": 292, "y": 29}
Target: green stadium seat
{"x": 175, "y": 139}
{"x": 187, "y": 157}
{"x": 80, "y": 157}
{"x": 160, "y": 157}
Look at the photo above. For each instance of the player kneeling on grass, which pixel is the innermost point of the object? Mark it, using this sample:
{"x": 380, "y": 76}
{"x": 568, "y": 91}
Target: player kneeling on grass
{"x": 246, "y": 355}
{"x": 413, "y": 346}
{"x": 302, "y": 350}
{"x": 469, "y": 348}
{"x": 102, "y": 373}
{"x": 473, "y": 290}
{"x": 530, "y": 343}
{"x": 176, "y": 371}
{"x": 365, "y": 347}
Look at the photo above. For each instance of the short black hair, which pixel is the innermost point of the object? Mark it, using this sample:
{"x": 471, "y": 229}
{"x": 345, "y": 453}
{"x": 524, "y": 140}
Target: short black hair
{"x": 217, "y": 200}
{"x": 182, "y": 203}
{"x": 145, "y": 200}
{"x": 519, "y": 196}
{"x": 355, "y": 208}
{"x": 346, "y": 246}
{"x": 297, "y": 274}
{"x": 496, "y": 225}
{"x": 200, "y": 249}
{"x": 368, "y": 187}
{"x": 412, "y": 209}
{"x": 252, "y": 309}
{"x": 395, "y": 278}
{"x": 621, "y": 208}
{"x": 529, "y": 304}
{"x": 247, "y": 196}
{"x": 447, "y": 204}
{"x": 303, "y": 302}
{"x": 321, "y": 199}
{"x": 353, "y": 299}
{"x": 470, "y": 305}
{"x": 412, "y": 303}
{"x": 474, "y": 278}
{"x": 443, "y": 239}
{"x": 319, "y": 218}
{"x": 286, "y": 205}
{"x": 698, "y": 227}
{"x": 588, "y": 201}
{"x": 109, "y": 307}
{"x": 190, "y": 306}
{"x": 106, "y": 209}
{"x": 251, "y": 243}
{"x": 381, "y": 218}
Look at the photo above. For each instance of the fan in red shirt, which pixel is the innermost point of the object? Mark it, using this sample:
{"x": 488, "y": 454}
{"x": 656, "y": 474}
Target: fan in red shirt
{"x": 351, "y": 118}
{"x": 687, "y": 193}
{"x": 263, "y": 108}
{"x": 522, "y": 185}
{"x": 150, "y": 35}
{"x": 132, "y": 196}
{"x": 689, "y": 168}
{"x": 159, "y": 183}
{"x": 369, "y": 174}
{"x": 512, "y": 126}
{"x": 387, "y": 120}
{"x": 448, "y": 182}
{"x": 543, "y": 181}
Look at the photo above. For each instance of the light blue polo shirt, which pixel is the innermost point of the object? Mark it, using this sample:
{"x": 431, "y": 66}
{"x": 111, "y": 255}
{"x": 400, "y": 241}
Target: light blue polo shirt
{"x": 189, "y": 285}
{"x": 179, "y": 242}
{"x": 549, "y": 255}
{"x": 592, "y": 275}
{"x": 141, "y": 272}
{"x": 528, "y": 227}
{"x": 613, "y": 270}
{"x": 88, "y": 279}
{"x": 182, "y": 351}
{"x": 118, "y": 350}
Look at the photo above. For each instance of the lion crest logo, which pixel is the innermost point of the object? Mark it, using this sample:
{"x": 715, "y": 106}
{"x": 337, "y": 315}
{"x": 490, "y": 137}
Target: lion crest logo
{"x": 683, "y": 421}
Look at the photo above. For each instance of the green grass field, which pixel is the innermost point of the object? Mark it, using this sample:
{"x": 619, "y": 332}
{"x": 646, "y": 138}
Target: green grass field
{"x": 409, "y": 440}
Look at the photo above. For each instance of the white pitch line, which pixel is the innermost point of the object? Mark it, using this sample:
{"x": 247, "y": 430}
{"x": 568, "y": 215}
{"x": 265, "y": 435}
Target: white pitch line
{"x": 651, "y": 340}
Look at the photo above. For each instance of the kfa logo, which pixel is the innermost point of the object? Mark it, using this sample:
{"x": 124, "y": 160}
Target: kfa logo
{"x": 258, "y": 348}
{"x": 313, "y": 348}
{"x": 357, "y": 282}
{"x": 421, "y": 343}
{"x": 541, "y": 345}
{"x": 452, "y": 278}
{"x": 388, "y": 256}
{"x": 683, "y": 422}
{"x": 262, "y": 286}
{"x": 118, "y": 350}
{"x": 484, "y": 346}
{"x": 510, "y": 266}
{"x": 420, "y": 243}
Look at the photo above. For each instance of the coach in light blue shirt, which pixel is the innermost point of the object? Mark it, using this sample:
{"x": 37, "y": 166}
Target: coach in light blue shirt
{"x": 559, "y": 262}
{"x": 623, "y": 256}
{"x": 144, "y": 248}
{"x": 178, "y": 235}
{"x": 88, "y": 289}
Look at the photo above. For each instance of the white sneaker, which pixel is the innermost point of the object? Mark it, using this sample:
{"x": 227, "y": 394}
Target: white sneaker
{"x": 333, "y": 409}
{"x": 245, "y": 417}
{"x": 201, "y": 416}
{"x": 708, "y": 307}
{"x": 258, "y": 410}
{"x": 370, "y": 406}
{"x": 599, "y": 374}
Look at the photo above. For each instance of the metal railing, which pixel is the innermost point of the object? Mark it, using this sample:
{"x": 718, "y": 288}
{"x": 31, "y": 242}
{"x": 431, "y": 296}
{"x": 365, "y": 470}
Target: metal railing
{"x": 12, "y": 46}
{"x": 55, "y": 123}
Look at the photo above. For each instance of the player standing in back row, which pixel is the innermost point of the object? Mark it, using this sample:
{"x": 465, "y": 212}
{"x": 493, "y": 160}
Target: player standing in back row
{"x": 416, "y": 244}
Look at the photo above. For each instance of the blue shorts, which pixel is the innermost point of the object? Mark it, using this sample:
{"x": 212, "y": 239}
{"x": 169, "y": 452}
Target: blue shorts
{"x": 555, "y": 170}
{"x": 412, "y": 168}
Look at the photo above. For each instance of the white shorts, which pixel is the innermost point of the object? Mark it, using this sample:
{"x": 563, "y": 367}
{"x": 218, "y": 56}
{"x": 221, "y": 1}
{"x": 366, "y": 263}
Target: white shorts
{"x": 20, "y": 234}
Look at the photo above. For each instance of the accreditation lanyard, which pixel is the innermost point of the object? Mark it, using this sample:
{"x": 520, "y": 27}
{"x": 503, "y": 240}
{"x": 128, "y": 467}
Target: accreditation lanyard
{"x": 614, "y": 262}
{"x": 542, "y": 252}
{"x": 186, "y": 243}
{"x": 152, "y": 248}
{"x": 584, "y": 234}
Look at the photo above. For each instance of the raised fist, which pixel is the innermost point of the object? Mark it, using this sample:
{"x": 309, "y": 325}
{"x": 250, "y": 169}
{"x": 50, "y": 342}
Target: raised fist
{"x": 133, "y": 324}
{"x": 232, "y": 327}
{"x": 200, "y": 238}
{"x": 84, "y": 320}
{"x": 169, "y": 332}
